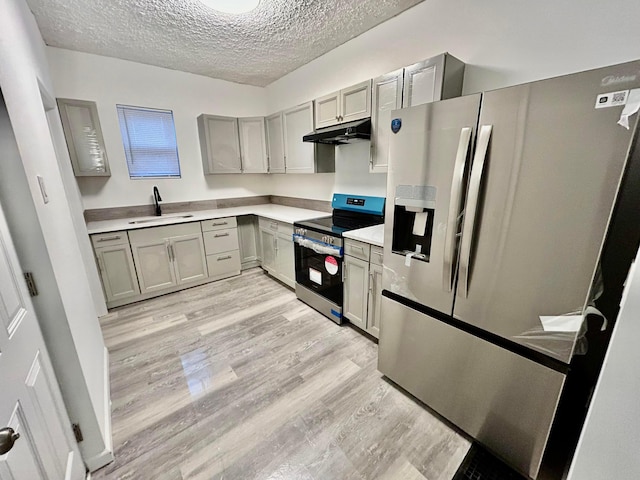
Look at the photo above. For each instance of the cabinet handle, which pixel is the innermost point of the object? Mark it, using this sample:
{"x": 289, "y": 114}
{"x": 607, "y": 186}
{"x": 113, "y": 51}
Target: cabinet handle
{"x": 356, "y": 247}
{"x": 100, "y": 265}
{"x": 219, "y": 224}
{"x": 108, "y": 239}
{"x": 228, "y": 257}
{"x": 170, "y": 252}
{"x": 370, "y": 281}
{"x": 221, "y": 235}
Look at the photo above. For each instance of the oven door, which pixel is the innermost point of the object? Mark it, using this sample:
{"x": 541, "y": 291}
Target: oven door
{"x": 319, "y": 267}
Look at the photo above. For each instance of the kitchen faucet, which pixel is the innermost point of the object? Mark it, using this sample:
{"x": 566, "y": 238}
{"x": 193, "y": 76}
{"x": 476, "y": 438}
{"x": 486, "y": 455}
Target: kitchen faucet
{"x": 156, "y": 199}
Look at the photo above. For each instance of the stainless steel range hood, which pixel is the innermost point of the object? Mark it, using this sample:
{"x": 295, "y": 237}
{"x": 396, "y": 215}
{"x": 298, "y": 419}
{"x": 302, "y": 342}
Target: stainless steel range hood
{"x": 341, "y": 134}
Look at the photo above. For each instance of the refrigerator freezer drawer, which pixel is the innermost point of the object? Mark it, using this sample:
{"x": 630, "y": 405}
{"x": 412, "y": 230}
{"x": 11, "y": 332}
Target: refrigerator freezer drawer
{"x": 505, "y": 401}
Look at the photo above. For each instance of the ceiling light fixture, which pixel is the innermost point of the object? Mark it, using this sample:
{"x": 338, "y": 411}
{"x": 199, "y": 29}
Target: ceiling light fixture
{"x": 232, "y": 6}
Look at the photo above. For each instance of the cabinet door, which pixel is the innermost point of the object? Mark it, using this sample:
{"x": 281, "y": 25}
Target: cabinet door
{"x": 355, "y": 102}
{"x": 253, "y": 145}
{"x": 328, "y": 110}
{"x": 285, "y": 260}
{"x": 275, "y": 143}
{"x": 268, "y": 241}
{"x": 299, "y": 155}
{"x": 220, "y": 144}
{"x": 356, "y": 290}
{"x": 84, "y": 137}
{"x": 189, "y": 260}
{"x": 153, "y": 264}
{"x": 375, "y": 298}
{"x": 117, "y": 271}
{"x": 387, "y": 96}
{"x": 423, "y": 82}
{"x": 247, "y": 240}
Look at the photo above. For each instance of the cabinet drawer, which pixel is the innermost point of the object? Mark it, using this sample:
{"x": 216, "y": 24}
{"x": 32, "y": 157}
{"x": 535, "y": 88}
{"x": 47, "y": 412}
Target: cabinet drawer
{"x": 356, "y": 249}
{"x": 376, "y": 255}
{"x": 268, "y": 224}
{"x": 219, "y": 224}
{"x": 285, "y": 229}
{"x": 224, "y": 264}
{"x": 220, "y": 241}
{"x": 108, "y": 239}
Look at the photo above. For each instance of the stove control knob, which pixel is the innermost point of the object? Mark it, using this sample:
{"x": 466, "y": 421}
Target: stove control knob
{"x": 330, "y": 240}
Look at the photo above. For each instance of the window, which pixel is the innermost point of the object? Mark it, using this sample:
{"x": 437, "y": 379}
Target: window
{"x": 149, "y": 139}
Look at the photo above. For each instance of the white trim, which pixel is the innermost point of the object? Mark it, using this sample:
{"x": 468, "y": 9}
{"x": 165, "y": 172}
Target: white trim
{"x": 106, "y": 456}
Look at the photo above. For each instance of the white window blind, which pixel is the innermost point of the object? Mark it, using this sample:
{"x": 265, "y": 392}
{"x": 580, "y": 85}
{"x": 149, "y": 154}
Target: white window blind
{"x": 149, "y": 138}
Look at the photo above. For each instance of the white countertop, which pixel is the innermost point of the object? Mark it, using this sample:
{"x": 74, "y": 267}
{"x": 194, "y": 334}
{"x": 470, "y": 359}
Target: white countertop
{"x": 272, "y": 211}
{"x": 372, "y": 235}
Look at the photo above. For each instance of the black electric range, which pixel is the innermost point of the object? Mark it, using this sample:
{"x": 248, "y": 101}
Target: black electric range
{"x": 319, "y": 250}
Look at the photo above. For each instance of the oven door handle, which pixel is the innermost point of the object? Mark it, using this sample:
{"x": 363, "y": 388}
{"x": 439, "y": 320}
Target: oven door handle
{"x": 318, "y": 247}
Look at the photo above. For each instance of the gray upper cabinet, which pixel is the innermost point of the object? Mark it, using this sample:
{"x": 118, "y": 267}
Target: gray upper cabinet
{"x": 387, "y": 96}
{"x": 328, "y": 110}
{"x": 253, "y": 145}
{"x": 298, "y": 122}
{"x": 305, "y": 157}
{"x": 219, "y": 144}
{"x": 437, "y": 78}
{"x": 434, "y": 79}
{"x": 84, "y": 137}
{"x": 275, "y": 143}
{"x": 346, "y": 105}
{"x": 355, "y": 102}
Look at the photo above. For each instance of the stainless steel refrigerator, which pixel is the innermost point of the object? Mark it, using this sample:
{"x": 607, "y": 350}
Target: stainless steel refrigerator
{"x": 498, "y": 205}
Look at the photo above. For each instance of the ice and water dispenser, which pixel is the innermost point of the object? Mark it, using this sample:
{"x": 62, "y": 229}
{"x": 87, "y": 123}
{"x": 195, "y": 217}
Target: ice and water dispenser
{"x": 414, "y": 208}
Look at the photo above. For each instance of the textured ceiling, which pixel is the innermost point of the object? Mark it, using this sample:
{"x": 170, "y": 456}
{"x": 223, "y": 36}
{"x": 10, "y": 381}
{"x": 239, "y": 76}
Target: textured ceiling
{"x": 255, "y": 48}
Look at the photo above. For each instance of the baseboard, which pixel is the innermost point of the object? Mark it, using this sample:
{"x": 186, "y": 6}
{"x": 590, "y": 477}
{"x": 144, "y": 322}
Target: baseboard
{"x": 106, "y": 456}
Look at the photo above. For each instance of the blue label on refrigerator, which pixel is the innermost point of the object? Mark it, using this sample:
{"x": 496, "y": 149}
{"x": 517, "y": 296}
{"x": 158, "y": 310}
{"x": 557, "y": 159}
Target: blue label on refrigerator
{"x": 396, "y": 125}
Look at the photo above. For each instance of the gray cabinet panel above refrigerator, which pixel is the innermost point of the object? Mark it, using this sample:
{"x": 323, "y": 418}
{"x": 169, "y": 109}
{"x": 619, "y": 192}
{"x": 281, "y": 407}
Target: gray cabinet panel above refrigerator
{"x": 550, "y": 178}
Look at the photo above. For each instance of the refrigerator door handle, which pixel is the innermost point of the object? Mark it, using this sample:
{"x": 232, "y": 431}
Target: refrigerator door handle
{"x": 454, "y": 208}
{"x": 471, "y": 208}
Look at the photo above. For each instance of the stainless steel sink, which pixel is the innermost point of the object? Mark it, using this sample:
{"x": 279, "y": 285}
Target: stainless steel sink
{"x": 163, "y": 218}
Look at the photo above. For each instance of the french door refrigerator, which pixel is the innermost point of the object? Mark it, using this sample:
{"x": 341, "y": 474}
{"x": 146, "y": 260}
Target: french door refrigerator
{"x": 498, "y": 207}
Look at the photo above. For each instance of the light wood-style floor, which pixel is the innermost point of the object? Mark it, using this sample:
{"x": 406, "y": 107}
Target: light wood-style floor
{"x": 239, "y": 380}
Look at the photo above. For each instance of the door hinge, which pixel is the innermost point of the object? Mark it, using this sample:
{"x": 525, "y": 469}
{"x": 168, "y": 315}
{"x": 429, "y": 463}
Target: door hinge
{"x": 31, "y": 284}
{"x": 77, "y": 432}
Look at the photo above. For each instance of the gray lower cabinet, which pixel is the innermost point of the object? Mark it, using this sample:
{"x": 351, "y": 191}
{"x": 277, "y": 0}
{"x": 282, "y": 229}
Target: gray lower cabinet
{"x": 278, "y": 257}
{"x": 363, "y": 285}
{"x": 221, "y": 246}
{"x": 117, "y": 271}
{"x": 248, "y": 241}
{"x": 168, "y": 256}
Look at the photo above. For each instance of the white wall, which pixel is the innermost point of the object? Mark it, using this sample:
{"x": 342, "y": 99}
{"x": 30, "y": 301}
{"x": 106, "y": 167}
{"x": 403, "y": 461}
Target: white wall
{"x": 608, "y": 446}
{"x": 109, "y": 81}
{"x": 23, "y": 72}
{"x": 503, "y": 42}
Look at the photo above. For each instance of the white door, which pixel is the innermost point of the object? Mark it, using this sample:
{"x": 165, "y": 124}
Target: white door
{"x": 299, "y": 155}
{"x": 253, "y": 145}
{"x": 30, "y": 400}
{"x": 355, "y": 102}
{"x": 275, "y": 142}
